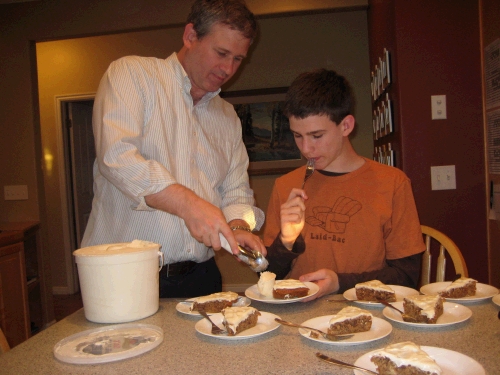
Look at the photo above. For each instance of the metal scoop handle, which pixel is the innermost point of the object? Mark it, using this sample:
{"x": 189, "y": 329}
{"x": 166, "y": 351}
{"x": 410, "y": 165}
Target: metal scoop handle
{"x": 254, "y": 259}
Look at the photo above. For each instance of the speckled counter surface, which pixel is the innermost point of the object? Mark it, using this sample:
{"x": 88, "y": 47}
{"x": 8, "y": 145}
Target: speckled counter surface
{"x": 282, "y": 351}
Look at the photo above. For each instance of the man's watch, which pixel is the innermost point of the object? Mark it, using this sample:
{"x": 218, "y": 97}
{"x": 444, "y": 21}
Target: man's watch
{"x": 241, "y": 227}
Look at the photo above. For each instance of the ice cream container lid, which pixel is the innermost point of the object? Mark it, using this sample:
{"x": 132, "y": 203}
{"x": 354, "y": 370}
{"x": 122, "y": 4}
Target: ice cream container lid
{"x": 117, "y": 252}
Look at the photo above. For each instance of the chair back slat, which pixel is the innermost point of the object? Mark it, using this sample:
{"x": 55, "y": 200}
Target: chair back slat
{"x": 441, "y": 264}
{"x": 426, "y": 262}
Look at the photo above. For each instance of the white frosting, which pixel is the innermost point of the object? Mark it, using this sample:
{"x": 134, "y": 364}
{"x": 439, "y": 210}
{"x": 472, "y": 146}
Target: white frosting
{"x": 224, "y": 296}
{"x": 266, "y": 283}
{"x": 375, "y": 285}
{"x": 117, "y": 248}
{"x": 426, "y": 302}
{"x": 459, "y": 283}
{"x": 408, "y": 353}
{"x": 289, "y": 284}
{"x": 347, "y": 313}
{"x": 235, "y": 315}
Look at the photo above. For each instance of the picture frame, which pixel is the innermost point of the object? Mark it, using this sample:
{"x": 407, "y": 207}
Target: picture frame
{"x": 265, "y": 130}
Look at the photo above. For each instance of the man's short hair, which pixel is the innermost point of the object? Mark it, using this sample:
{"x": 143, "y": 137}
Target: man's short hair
{"x": 317, "y": 93}
{"x": 233, "y": 13}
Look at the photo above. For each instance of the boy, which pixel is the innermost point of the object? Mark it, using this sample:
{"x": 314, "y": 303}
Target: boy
{"x": 356, "y": 219}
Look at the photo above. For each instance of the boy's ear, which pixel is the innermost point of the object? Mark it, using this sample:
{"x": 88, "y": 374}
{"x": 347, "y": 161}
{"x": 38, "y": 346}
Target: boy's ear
{"x": 189, "y": 35}
{"x": 348, "y": 125}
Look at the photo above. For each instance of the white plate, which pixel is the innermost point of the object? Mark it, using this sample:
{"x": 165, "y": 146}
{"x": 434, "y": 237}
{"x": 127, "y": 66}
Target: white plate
{"x": 401, "y": 292}
{"x": 496, "y": 300}
{"x": 108, "y": 343}
{"x": 451, "y": 362}
{"x": 453, "y": 313}
{"x": 185, "y": 307}
{"x": 483, "y": 291}
{"x": 265, "y": 324}
{"x": 253, "y": 293}
{"x": 380, "y": 328}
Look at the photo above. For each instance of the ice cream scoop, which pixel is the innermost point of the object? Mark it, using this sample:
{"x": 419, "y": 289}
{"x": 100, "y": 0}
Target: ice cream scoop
{"x": 255, "y": 260}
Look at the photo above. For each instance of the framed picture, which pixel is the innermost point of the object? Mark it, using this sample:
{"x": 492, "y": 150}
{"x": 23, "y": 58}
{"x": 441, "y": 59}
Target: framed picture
{"x": 266, "y": 131}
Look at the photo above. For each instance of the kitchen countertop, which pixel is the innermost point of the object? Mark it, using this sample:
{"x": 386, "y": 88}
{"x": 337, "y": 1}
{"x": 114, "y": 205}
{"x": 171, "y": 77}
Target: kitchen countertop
{"x": 282, "y": 351}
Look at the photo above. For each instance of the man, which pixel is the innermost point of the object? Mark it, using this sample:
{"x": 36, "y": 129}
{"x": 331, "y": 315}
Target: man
{"x": 356, "y": 219}
{"x": 171, "y": 166}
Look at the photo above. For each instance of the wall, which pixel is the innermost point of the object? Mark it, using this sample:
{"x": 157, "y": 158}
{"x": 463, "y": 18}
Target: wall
{"x": 438, "y": 53}
{"x": 24, "y": 24}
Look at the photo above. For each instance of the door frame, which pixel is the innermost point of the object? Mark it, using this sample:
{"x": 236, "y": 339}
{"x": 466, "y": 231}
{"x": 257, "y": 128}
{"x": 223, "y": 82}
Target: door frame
{"x": 65, "y": 177}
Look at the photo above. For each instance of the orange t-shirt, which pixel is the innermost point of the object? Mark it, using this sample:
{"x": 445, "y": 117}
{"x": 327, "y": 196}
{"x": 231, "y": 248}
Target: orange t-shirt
{"x": 354, "y": 222}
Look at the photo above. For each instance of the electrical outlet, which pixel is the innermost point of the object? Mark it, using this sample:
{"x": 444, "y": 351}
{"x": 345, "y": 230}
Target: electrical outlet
{"x": 15, "y": 192}
{"x": 438, "y": 107}
{"x": 443, "y": 177}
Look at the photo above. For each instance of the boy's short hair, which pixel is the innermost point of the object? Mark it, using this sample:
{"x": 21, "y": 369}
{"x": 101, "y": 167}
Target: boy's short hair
{"x": 233, "y": 13}
{"x": 319, "y": 92}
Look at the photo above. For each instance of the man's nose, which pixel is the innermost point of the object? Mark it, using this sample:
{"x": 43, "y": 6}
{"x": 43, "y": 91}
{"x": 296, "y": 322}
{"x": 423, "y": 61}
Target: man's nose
{"x": 228, "y": 66}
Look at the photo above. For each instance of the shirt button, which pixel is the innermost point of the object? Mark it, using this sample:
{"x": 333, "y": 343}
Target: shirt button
{"x": 189, "y": 250}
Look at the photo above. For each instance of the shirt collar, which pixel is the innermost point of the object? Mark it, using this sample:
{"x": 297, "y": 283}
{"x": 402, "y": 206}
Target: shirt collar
{"x": 183, "y": 79}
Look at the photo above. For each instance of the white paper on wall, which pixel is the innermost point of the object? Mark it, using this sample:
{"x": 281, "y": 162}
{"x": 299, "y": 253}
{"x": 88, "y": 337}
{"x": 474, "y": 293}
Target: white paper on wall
{"x": 492, "y": 74}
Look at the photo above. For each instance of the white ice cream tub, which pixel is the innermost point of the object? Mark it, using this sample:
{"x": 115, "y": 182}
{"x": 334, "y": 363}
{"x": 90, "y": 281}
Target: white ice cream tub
{"x": 119, "y": 282}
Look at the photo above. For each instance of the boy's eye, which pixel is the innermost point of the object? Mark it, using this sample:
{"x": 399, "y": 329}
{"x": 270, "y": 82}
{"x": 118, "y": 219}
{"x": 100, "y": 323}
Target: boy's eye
{"x": 317, "y": 136}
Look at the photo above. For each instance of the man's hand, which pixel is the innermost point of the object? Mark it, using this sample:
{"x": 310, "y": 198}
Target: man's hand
{"x": 292, "y": 214}
{"x": 327, "y": 281}
{"x": 203, "y": 220}
{"x": 249, "y": 241}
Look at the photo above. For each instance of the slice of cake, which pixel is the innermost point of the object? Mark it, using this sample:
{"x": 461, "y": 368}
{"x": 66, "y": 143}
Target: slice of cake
{"x": 375, "y": 291}
{"x": 404, "y": 358}
{"x": 462, "y": 287}
{"x": 423, "y": 309}
{"x": 238, "y": 319}
{"x": 350, "y": 320}
{"x": 214, "y": 303}
{"x": 266, "y": 283}
{"x": 289, "y": 288}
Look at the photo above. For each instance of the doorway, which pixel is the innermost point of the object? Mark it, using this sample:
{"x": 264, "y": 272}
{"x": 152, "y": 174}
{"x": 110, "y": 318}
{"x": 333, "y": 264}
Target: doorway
{"x": 79, "y": 156}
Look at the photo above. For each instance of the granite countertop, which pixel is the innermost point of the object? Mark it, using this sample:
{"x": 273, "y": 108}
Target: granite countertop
{"x": 282, "y": 351}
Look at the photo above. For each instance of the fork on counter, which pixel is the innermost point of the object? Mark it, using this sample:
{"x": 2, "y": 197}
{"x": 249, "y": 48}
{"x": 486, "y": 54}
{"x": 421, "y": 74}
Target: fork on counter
{"x": 215, "y": 329}
{"x": 327, "y": 336}
{"x": 309, "y": 171}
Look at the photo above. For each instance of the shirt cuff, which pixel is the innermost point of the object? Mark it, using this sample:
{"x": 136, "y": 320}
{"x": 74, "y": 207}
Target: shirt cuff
{"x": 253, "y": 216}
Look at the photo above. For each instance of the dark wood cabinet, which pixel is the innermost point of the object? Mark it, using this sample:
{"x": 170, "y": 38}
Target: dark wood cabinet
{"x": 21, "y": 281}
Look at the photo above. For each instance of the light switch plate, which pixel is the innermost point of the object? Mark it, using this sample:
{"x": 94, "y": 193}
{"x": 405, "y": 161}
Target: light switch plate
{"x": 443, "y": 177}
{"x": 438, "y": 107}
{"x": 15, "y": 192}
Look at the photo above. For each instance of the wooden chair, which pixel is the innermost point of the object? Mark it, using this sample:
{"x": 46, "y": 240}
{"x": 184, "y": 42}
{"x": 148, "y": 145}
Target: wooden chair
{"x": 445, "y": 243}
{"x": 4, "y": 345}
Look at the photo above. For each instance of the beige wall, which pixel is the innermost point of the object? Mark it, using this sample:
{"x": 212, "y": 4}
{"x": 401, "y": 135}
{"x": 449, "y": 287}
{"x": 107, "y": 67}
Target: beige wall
{"x": 286, "y": 47}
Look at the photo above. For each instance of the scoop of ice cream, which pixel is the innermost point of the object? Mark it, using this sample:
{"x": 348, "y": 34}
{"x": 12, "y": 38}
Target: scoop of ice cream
{"x": 266, "y": 283}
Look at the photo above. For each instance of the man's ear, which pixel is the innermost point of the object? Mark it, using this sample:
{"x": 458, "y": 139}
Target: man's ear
{"x": 348, "y": 125}
{"x": 189, "y": 36}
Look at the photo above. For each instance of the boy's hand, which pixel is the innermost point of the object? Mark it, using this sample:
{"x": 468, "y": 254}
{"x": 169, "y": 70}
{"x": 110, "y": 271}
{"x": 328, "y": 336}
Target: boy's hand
{"x": 292, "y": 216}
{"x": 327, "y": 281}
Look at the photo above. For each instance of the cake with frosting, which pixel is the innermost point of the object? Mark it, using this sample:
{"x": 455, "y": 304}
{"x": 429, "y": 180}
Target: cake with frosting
{"x": 238, "y": 319}
{"x": 266, "y": 283}
{"x": 404, "y": 358}
{"x": 423, "y": 308}
{"x": 289, "y": 288}
{"x": 462, "y": 287}
{"x": 215, "y": 302}
{"x": 350, "y": 320}
{"x": 375, "y": 291}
